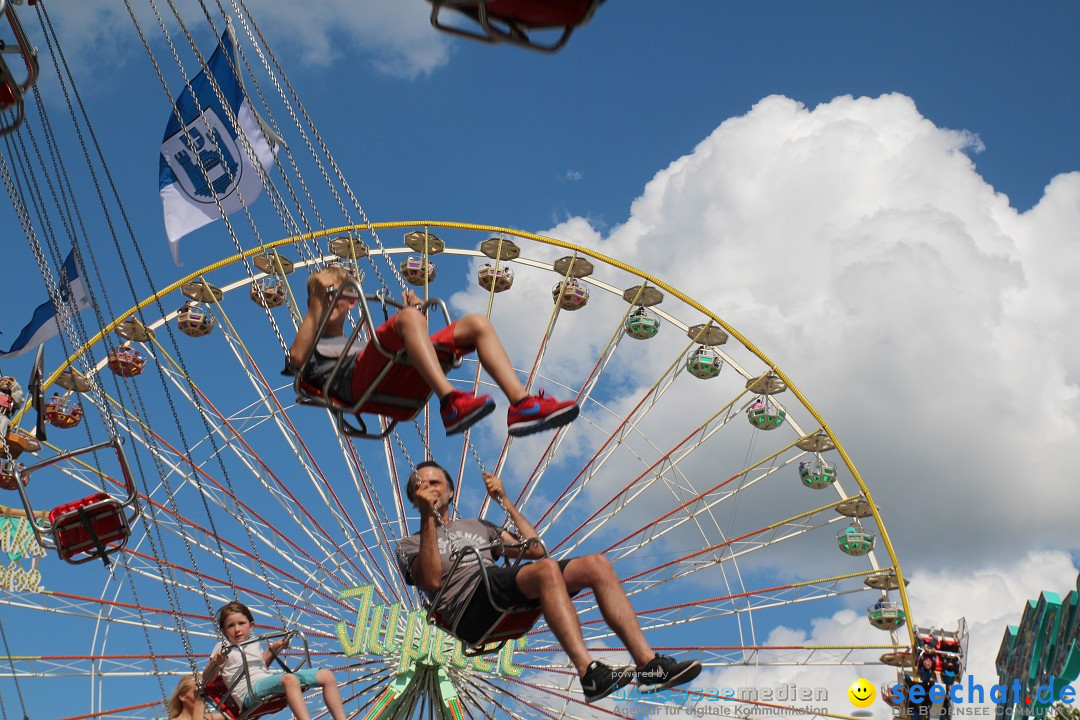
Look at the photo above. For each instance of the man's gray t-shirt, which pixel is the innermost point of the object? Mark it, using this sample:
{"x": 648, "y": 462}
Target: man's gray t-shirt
{"x": 462, "y": 533}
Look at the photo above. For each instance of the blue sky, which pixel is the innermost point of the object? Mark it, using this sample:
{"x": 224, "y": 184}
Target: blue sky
{"x": 427, "y": 127}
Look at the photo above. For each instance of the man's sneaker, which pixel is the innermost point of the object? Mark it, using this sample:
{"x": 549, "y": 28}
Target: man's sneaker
{"x": 539, "y": 412}
{"x": 663, "y": 672}
{"x": 461, "y": 410}
{"x": 601, "y": 680}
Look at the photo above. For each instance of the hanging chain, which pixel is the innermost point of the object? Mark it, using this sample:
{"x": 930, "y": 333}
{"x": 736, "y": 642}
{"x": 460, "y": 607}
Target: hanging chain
{"x": 14, "y": 675}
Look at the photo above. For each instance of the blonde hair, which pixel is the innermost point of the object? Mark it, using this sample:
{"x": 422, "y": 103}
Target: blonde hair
{"x": 175, "y": 706}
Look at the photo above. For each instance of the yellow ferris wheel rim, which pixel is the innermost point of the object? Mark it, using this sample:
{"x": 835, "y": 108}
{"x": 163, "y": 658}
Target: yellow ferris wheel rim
{"x": 545, "y": 240}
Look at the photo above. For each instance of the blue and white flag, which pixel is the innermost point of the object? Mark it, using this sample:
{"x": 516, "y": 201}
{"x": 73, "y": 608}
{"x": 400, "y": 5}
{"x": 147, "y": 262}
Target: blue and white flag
{"x": 44, "y": 324}
{"x": 202, "y": 157}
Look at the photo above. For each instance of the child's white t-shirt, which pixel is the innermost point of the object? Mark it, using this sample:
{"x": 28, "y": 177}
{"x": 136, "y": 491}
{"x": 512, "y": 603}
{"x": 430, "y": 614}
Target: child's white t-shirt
{"x": 233, "y": 668}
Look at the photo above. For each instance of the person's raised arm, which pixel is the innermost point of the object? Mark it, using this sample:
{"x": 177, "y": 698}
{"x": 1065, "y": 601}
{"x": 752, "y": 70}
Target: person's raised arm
{"x": 318, "y": 302}
{"x": 498, "y": 494}
{"x": 212, "y": 667}
{"x": 427, "y": 567}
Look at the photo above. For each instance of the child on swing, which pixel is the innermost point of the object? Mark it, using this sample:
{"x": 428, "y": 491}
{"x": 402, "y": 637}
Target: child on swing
{"x": 248, "y": 667}
{"x": 408, "y": 329}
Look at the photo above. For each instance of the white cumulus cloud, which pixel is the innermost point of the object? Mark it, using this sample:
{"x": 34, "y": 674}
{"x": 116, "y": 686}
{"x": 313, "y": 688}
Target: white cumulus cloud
{"x": 395, "y": 37}
{"x": 927, "y": 319}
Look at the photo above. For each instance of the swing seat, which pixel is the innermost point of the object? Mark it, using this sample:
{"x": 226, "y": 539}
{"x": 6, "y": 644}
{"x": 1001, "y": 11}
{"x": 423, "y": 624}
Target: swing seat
{"x": 511, "y": 20}
{"x": 13, "y": 90}
{"x": 90, "y": 528}
{"x": 490, "y": 624}
{"x": 384, "y": 381}
{"x": 486, "y": 627}
{"x": 396, "y": 389}
{"x": 218, "y": 695}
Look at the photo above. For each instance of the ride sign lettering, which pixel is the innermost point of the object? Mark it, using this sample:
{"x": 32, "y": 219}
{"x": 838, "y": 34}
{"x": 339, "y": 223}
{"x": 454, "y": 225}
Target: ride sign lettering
{"x": 378, "y": 631}
{"x": 17, "y": 543}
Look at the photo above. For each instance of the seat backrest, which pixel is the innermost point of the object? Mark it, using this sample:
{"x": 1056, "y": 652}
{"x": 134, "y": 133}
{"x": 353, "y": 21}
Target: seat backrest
{"x": 217, "y": 695}
{"x": 81, "y": 526}
{"x": 480, "y": 623}
{"x": 514, "y": 624}
{"x": 394, "y": 388}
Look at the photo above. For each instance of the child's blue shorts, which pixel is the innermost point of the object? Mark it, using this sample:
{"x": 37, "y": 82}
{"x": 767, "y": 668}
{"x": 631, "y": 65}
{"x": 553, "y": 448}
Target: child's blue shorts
{"x": 271, "y": 685}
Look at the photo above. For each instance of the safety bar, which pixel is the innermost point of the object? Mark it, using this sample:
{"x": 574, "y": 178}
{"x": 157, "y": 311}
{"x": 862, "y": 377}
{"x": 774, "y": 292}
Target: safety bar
{"x": 131, "y": 500}
{"x": 350, "y": 289}
{"x": 274, "y": 657}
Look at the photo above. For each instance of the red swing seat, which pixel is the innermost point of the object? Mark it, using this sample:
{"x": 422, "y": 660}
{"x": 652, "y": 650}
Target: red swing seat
{"x": 13, "y": 90}
{"x": 216, "y": 694}
{"x": 511, "y": 20}
{"x": 90, "y": 528}
{"x": 489, "y": 626}
{"x": 384, "y": 382}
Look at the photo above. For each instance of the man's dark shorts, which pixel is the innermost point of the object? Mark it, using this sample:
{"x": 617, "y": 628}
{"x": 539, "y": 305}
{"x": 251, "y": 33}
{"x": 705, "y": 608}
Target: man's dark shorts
{"x": 478, "y": 614}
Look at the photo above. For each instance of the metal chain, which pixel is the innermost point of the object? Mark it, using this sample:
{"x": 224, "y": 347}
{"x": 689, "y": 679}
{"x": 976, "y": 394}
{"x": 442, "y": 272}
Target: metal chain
{"x": 14, "y": 676}
{"x": 325, "y": 150}
{"x": 231, "y": 118}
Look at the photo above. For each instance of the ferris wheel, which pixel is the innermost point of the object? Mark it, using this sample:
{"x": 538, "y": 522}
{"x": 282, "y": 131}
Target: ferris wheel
{"x": 724, "y": 501}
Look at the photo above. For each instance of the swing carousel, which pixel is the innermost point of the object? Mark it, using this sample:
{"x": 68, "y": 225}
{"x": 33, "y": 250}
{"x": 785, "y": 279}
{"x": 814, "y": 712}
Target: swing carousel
{"x": 721, "y": 496}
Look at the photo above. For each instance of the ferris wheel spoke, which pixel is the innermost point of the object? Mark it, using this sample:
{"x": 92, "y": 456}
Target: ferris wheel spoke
{"x": 614, "y": 440}
{"x": 665, "y": 470}
{"x": 288, "y": 502}
{"x": 72, "y": 605}
{"x": 663, "y": 467}
{"x": 554, "y": 691}
{"x": 466, "y": 690}
{"x": 332, "y": 556}
{"x": 291, "y": 436}
{"x": 384, "y": 529}
{"x": 583, "y": 397}
{"x": 179, "y": 527}
{"x": 120, "y": 713}
{"x": 172, "y": 460}
{"x": 796, "y": 525}
{"x": 296, "y": 602}
{"x": 690, "y": 510}
{"x": 241, "y": 560}
{"x": 488, "y": 691}
{"x": 107, "y": 666}
{"x": 529, "y": 378}
{"x": 747, "y": 601}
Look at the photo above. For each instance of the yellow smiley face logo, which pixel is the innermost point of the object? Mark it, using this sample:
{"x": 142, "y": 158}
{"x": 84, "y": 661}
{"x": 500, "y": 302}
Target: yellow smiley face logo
{"x": 861, "y": 693}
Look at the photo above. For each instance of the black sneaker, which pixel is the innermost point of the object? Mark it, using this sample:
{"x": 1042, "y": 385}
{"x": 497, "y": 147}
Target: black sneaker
{"x": 601, "y": 680}
{"x": 663, "y": 672}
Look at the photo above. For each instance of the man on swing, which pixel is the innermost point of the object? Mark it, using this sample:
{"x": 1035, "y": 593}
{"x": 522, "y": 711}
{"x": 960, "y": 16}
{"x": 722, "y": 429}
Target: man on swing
{"x": 424, "y": 559}
{"x": 408, "y": 329}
